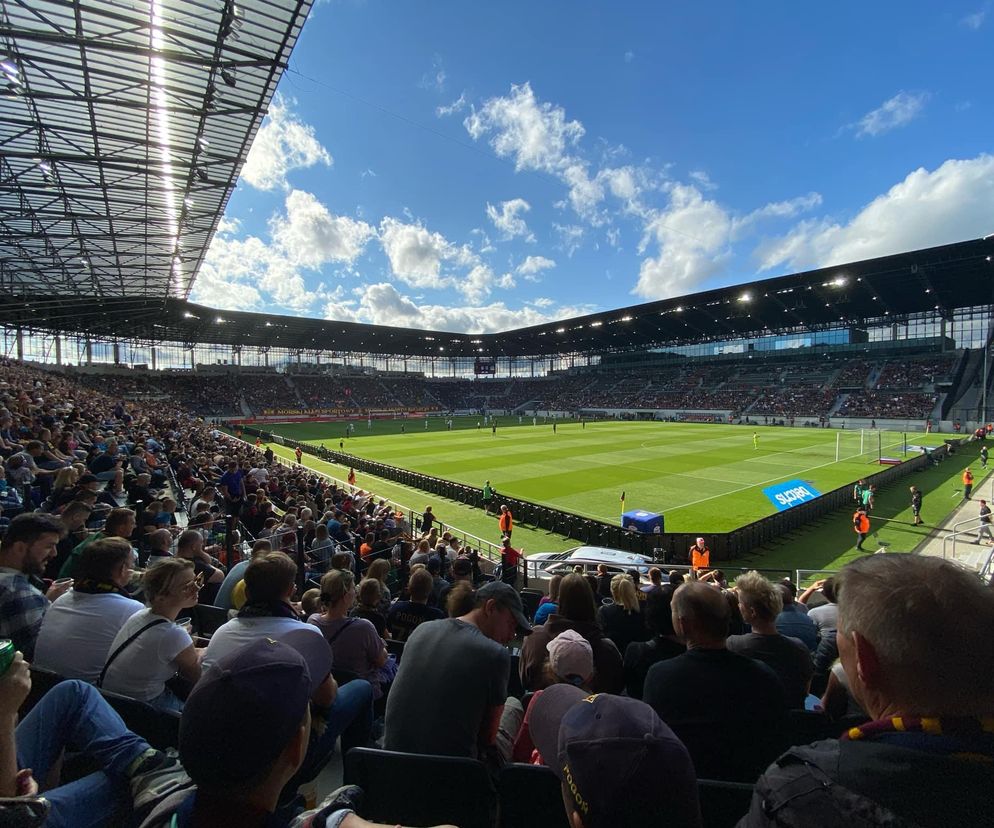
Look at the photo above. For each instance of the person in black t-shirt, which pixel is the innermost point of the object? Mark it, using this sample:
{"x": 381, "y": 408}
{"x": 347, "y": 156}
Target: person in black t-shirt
{"x": 405, "y": 616}
{"x": 664, "y": 644}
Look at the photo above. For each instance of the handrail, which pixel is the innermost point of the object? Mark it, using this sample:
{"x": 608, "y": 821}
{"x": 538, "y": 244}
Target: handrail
{"x": 977, "y": 520}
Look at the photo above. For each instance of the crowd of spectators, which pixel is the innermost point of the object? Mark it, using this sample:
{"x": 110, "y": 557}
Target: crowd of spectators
{"x": 914, "y": 374}
{"x": 910, "y": 405}
{"x": 707, "y": 680}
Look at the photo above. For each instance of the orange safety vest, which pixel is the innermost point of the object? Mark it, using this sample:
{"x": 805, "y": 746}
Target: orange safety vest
{"x": 967, "y": 478}
{"x": 700, "y": 558}
{"x": 505, "y": 523}
{"x": 861, "y": 523}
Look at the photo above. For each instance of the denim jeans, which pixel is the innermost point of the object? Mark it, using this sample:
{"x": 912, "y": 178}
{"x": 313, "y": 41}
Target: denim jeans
{"x": 74, "y": 716}
{"x": 167, "y": 700}
{"x": 351, "y": 717}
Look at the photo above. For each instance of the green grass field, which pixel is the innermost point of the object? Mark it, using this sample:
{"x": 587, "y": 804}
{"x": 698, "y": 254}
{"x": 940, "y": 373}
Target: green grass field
{"x": 826, "y": 543}
{"x": 701, "y": 477}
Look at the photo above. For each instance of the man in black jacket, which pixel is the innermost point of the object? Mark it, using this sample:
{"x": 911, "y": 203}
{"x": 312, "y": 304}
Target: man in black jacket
{"x": 914, "y": 640}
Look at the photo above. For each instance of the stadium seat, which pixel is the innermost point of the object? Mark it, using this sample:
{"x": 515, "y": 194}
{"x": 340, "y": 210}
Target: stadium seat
{"x": 394, "y": 784}
{"x": 207, "y": 618}
{"x": 514, "y": 687}
{"x": 395, "y": 648}
{"x": 529, "y": 795}
{"x": 806, "y": 726}
{"x": 723, "y": 804}
{"x": 160, "y": 728}
{"x": 530, "y": 599}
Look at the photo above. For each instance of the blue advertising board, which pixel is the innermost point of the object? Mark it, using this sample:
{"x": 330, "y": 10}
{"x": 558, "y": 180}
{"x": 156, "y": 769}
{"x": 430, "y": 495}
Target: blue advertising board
{"x": 792, "y": 493}
{"x": 638, "y": 520}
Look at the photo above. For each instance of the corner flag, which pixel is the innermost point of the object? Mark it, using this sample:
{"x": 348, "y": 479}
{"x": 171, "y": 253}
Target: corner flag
{"x": 622, "y": 501}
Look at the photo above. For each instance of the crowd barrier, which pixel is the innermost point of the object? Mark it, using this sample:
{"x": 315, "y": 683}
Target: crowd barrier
{"x": 667, "y": 547}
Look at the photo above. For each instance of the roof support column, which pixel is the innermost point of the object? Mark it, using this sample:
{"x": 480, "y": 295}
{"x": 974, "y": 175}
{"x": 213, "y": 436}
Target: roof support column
{"x": 152, "y": 354}
{"x": 20, "y": 345}
{"x": 58, "y": 350}
{"x": 117, "y": 354}
{"x": 89, "y": 351}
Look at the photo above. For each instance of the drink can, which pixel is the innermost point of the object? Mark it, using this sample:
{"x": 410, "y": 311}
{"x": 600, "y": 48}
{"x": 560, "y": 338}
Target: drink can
{"x": 7, "y": 652}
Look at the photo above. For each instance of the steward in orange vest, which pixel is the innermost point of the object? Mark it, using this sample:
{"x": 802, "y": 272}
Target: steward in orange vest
{"x": 861, "y": 525}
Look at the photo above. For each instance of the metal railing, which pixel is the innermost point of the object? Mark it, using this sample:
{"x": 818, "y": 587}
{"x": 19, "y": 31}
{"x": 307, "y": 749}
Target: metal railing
{"x": 973, "y": 523}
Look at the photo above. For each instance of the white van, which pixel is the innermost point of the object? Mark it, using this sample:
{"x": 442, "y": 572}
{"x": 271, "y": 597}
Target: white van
{"x": 543, "y": 565}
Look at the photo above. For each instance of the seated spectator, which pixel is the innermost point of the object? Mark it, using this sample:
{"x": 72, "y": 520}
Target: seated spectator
{"x": 31, "y": 541}
{"x": 604, "y": 579}
{"x": 268, "y": 614}
{"x": 576, "y": 612}
{"x": 151, "y": 647}
{"x": 120, "y": 523}
{"x": 549, "y": 603}
{"x": 405, "y": 616}
{"x": 793, "y": 622}
{"x": 760, "y": 604}
{"x": 73, "y": 518}
{"x": 78, "y": 629}
{"x": 450, "y": 694}
{"x": 664, "y": 643}
{"x": 655, "y": 584}
{"x": 368, "y": 598}
{"x": 231, "y": 593}
{"x": 356, "y": 646}
{"x": 621, "y": 621}
{"x": 728, "y": 709}
{"x": 914, "y": 641}
{"x": 619, "y": 765}
{"x": 190, "y": 546}
{"x": 825, "y": 616}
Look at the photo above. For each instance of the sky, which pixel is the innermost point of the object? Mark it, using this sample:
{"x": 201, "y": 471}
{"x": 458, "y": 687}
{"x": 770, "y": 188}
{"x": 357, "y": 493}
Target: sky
{"x": 480, "y": 167}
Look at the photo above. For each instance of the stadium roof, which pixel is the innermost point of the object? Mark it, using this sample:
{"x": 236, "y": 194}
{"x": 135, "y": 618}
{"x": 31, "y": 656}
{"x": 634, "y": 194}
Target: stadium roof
{"x": 937, "y": 280}
{"x": 123, "y": 126}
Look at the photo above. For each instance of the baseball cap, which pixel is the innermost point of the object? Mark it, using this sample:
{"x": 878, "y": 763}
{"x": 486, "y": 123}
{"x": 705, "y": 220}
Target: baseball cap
{"x": 571, "y": 657}
{"x": 506, "y": 596}
{"x": 613, "y": 753}
{"x": 700, "y": 540}
{"x": 267, "y": 681}
{"x": 86, "y": 479}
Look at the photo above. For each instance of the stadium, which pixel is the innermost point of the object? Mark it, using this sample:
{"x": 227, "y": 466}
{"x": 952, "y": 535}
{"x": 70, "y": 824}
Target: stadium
{"x": 713, "y": 445}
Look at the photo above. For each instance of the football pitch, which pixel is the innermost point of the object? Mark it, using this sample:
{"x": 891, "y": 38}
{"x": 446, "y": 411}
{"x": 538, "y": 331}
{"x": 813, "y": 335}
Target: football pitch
{"x": 701, "y": 477}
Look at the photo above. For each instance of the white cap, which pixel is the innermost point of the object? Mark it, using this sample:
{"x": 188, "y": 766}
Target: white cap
{"x": 700, "y": 540}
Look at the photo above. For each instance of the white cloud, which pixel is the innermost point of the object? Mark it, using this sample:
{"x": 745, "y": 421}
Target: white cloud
{"x": 702, "y": 179}
{"x": 508, "y": 219}
{"x": 976, "y": 20}
{"x": 434, "y": 79}
{"x": 242, "y": 274}
{"x": 791, "y": 208}
{"x": 506, "y": 282}
{"x": 283, "y": 143}
{"x": 570, "y": 236}
{"x": 312, "y": 236}
{"x": 457, "y": 105}
{"x": 533, "y": 265}
{"x": 893, "y": 113}
{"x": 536, "y": 135}
{"x": 928, "y": 208}
{"x": 415, "y": 253}
{"x": 629, "y": 56}
{"x": 383, "y": 304}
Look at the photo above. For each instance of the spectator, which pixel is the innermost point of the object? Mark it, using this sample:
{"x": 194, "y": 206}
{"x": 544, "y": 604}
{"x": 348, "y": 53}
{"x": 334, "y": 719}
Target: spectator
{"x": 355, "y": 644}
{"x": 621, "y": 621}
{"x": 405, "y": 616}
{"x": 151, "y": 647}
{"x": 576, "y": 612}
{"x": 190, "y": 545}
{"x": 30, "y": 542}
{"x": 727, "y": 709}
{"x": 509, "y": 559}
{"x": 655, "y": 585}
{"x": 793, "y": 620}
{"x": 120, "y": 523}
{"x": 760, "y": 604}
{"x": 73, "y": 519}
{"x": 78, "y": 629}
{"x": 226, "y": 593}
{"x": 924, "y": 678}
{"x": 825, "y": 616}
{"x": 549, "y": 603}
{"x": 612, "y": 756}
{"x": 368, "y": 598}
{"x": 380, "y": 570}
{"x": 268, "y": 614}
{"x": 603, "y": 582}
{"x": 450, "y": 694}
{"x": 664, "y": 644}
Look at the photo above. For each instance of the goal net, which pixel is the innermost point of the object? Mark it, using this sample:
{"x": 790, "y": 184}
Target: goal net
{"x": 869, "y": 445}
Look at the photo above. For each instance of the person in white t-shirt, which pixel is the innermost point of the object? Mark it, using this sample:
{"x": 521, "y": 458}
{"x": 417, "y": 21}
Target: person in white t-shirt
{"x": 270, "y": 581}
{"x": 78, "y": 629}
{"x": 825, "y": 616}
{"x": 151, "y": 647}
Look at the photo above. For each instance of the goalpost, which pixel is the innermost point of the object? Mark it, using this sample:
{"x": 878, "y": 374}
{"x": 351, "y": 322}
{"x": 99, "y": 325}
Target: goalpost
{"x": 869, "y": 444}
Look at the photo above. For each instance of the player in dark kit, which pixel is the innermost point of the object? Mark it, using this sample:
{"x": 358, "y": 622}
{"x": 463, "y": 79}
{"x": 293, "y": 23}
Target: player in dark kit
{"x": 916, "y": 505}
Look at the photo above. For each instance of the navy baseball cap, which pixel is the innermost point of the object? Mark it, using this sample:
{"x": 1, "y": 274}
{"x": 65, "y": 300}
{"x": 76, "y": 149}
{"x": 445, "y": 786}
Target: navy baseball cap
{"x": 619, "y": 762}
{"x": 248, "y": 705}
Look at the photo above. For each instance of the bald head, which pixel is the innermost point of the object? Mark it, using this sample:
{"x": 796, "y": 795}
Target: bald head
{"x": 700, "y": 614}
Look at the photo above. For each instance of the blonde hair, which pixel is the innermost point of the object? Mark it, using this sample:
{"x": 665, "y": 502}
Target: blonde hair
{"x": 159, "y": 579}
{"x": 759, "y": 594}
{"x": 378, "y": 569}
{"x": 623, "y": 593}
{"x": 334, "y": 584}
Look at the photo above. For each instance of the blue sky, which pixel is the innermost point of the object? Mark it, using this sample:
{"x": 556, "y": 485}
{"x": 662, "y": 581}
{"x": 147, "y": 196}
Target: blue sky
{"x": 480, "y": 167}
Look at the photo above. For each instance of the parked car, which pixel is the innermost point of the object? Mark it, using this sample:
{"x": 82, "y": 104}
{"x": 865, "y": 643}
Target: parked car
{"x": 543, "y": 565}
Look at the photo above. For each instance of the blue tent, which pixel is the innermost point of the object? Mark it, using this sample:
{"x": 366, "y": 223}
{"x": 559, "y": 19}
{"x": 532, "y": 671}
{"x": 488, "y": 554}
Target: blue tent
{"x": 638, "y": 520}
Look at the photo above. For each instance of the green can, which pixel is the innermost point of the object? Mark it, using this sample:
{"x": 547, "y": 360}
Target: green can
{"x": 7, "y": 653}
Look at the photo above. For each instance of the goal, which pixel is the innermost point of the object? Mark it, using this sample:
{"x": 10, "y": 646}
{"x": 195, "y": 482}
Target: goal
{"x": 854, "y": 445}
